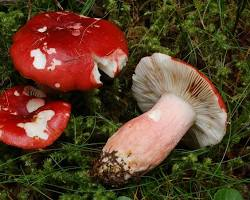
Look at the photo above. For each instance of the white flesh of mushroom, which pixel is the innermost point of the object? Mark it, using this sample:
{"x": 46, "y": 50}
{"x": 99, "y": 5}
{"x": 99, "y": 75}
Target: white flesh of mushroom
{"x": 111, "y": 64}
{"x": 96, "y": 74}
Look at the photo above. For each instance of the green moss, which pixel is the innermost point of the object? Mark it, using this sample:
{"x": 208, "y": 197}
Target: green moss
{"x": 10, "y": 22}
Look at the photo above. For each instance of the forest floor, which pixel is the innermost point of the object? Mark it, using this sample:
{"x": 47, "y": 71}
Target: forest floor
{"x": 212, "y": 35}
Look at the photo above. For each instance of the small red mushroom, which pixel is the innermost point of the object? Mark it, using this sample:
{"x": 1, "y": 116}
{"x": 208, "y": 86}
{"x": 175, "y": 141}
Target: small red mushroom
{"x": 177, "y": 100}
{"x": 64, "y": 50}
{"x": 27, "y": 121}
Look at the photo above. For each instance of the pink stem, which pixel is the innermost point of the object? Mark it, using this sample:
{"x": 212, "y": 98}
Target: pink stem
{"x": 145, "y": 141}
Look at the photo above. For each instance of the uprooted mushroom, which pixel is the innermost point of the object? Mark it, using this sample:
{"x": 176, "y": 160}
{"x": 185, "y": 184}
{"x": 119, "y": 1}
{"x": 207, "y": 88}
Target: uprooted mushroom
{"x": 28, "y": 120}
{"x": 65, "y": 51}
{"x": 178, "y": 101}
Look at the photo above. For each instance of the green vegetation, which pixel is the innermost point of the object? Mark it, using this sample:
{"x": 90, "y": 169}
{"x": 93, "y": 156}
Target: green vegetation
{"x": 227, "y": 193}
{"x": 213, "y": 35}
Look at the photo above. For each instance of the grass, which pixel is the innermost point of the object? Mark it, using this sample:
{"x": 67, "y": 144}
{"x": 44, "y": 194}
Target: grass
{"x": 212, "y": 35}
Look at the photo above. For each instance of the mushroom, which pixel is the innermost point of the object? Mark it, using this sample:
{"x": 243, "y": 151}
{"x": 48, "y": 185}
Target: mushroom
{"x": 64, "y": 51}
{"x": 27, "y": 121}
{"x": 177, "y": 99}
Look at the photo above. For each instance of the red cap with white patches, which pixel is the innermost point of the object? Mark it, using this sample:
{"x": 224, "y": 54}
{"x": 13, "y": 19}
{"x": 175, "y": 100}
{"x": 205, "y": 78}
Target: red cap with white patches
{"x": 64, "y": 50}
{"x": 28, "y": 121}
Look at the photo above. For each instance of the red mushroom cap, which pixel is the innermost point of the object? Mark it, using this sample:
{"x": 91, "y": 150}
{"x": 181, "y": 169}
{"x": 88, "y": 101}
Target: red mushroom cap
{"x": 64, "y": 50}
{"x": 28, "y": 121}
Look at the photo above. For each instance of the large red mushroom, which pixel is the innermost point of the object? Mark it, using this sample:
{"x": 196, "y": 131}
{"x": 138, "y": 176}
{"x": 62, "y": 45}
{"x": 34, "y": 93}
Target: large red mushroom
{"x": 178, "y": 101}
{"x": 64, "y": 50}
{"x": 28, "y": 121}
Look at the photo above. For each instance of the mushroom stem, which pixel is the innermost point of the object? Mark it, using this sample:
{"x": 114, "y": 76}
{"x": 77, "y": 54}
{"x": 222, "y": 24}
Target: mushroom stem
{"x": 145, "y": 141}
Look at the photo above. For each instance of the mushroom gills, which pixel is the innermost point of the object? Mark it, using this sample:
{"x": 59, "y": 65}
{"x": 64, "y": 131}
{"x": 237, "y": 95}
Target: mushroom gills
{"x": 160, "y": 74}
{"x": 31, "y": 91}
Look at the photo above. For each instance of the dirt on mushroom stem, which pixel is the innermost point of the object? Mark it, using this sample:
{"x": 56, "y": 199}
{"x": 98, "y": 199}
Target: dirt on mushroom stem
{"x": 116, "y": 173}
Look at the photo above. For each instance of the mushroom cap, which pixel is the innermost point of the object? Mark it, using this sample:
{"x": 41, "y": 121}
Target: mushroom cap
{"x": 27, "y": 121}
{"x": 64, "y": 50}
{"x": 160, "y": 73}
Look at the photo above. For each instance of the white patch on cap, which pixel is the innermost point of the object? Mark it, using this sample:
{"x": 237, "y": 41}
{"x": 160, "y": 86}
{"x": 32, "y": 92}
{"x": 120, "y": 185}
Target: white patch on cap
{"x": 155, "y": 115}
{"x": 38, "y": 128}
{"x": 5, "y": 109}
{"x": 42, "y": 30}
{"x": 39, "y": 59}
{"x": 34, "y": 104}
{"x": 65, "y": 104}
{"x": 76, "y": 32}
{"x": 57, "y": 85}
{"x": 61, "y": 13}
{"x": 51, "y": 50}
{"x": 96, "y": 74}
{"x": 83, "y": 16}
{"x": 54, "y": 63}
{"x": 59, "y": 28}
{"x": 67, "y": 114}
{"x": 48, "y": 50}
{"x": 76, "y": 26}
{"x": 96, "y": 25}
{"x": 16, "y": 93}
{"x": 13, "y": 113}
